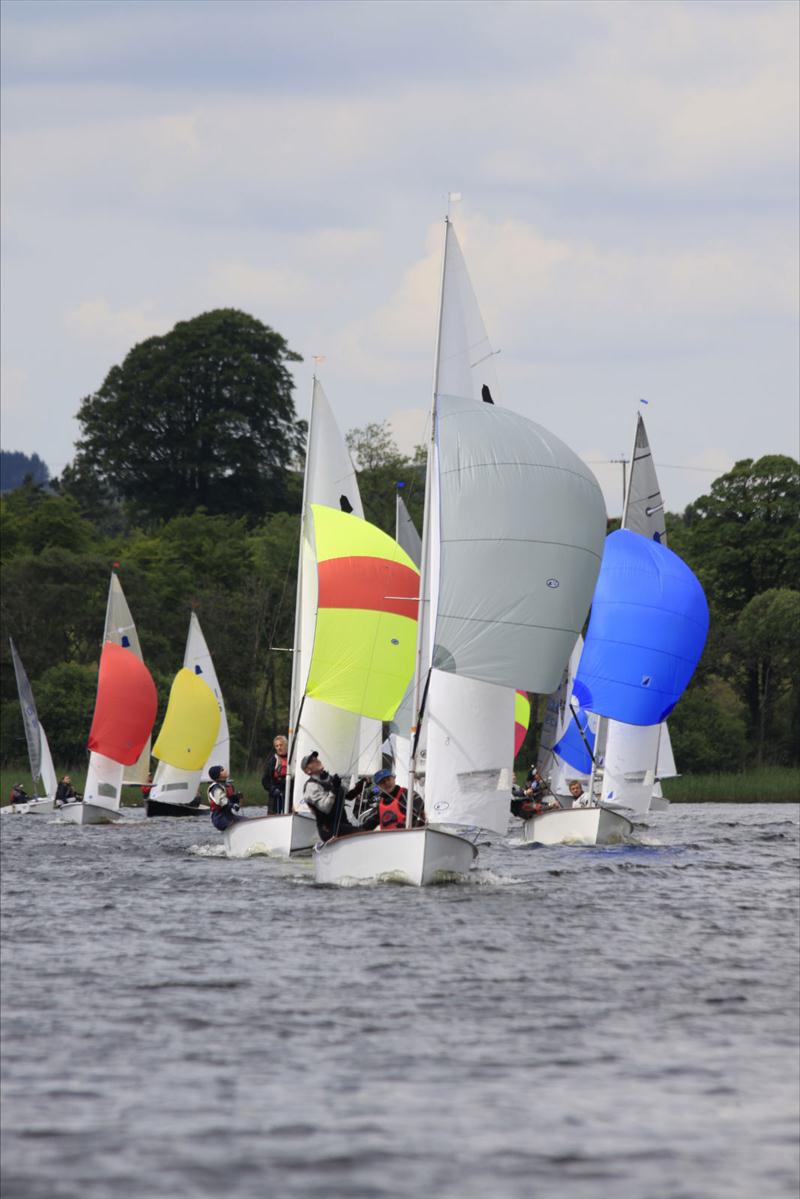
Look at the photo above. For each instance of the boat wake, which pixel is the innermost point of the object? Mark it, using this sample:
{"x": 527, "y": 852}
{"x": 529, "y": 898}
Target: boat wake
{"x": 207, "y": 851}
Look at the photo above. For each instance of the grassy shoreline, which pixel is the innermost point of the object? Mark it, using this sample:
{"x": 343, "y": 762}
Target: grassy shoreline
{"x": 769, "y": 784}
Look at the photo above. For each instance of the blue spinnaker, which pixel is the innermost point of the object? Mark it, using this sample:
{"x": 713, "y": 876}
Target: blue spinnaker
{"x": 572, "y": 748}
{"x": 646, "y": 633}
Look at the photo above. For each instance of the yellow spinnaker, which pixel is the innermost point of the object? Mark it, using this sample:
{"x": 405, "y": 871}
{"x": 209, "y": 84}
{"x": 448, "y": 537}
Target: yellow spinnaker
{"x": 191, "y": 724}
{"x": 366, "y": 629}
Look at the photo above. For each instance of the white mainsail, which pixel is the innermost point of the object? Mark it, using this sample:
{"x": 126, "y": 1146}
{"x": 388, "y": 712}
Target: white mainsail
{"x": 120, "y": 629}
{"x": 104, "y": 780}
{"x": 635, "y": 753}
{"x": 343, "y": 740}
{"x": 407, "y": 538}
{"x": 406, "y": 534}
{"x": 41, "y": 761}
{"x": 198, "y": 659}
{"x": 557, "y": 723}
{"x": 514, "y": 527}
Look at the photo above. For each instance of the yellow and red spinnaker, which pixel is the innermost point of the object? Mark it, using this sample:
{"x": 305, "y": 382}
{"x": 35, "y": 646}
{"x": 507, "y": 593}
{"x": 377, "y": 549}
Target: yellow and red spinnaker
{"x": 366, "y": 630}
{"x": 191, "y": 723}
{"x": 522, "y": 718}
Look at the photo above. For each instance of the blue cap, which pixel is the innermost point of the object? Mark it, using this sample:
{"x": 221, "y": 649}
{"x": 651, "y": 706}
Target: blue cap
{"x": 381, "y": 775}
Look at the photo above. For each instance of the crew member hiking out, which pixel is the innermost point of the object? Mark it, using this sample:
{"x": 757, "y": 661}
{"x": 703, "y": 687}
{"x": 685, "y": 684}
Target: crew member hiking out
{"x": 324, "y": 795}
{"x": 223, "y": 798}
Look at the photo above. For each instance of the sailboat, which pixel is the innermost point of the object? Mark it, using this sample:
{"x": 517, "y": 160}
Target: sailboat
{"x": 120, "y": 629}
{"x": 174, "y": 785}
{"x": 124, "y": 713}
{"x": 189, "y": 731}
{"x": 346, "y": 741}
{"x": 512, "y": 537}
{"x": 637, "y": 757}
{"x": 647, "y": 630}
{"x": 39, "y": 756}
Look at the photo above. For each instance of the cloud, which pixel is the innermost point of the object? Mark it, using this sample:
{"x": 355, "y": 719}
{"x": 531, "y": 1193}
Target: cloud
{"x": 629, "y": 175}
{"x": 114, "y": 331}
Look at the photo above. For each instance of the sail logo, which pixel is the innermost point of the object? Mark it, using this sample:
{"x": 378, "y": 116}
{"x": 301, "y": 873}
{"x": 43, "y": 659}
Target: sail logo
{"x": 441, "y": 805}
{"x": 552, "y": 584}
{"x": 646, "y": 680}
{"x": 125, "y": 642}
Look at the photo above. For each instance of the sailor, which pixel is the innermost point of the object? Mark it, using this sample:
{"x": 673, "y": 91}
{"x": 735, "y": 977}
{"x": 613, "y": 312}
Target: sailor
{"x": 224, "y": 799}
{"x": 65, "y": 792}
{"x": 274, "y": 778}
{"x": 18, "y": 795}
{"x": 392, "y": 803}
{"x": 533, "y": 798}
{"x": 324, "y": 795}
{"x": 535, "y": 784}
{"x": 579, "y": 797}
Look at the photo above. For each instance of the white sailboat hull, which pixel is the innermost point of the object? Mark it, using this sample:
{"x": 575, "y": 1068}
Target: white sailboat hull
{"x": 419, "y": 856}
{"x": 577, "y": 826}
{"x": 30, "y": 807}
{"x": 88, "y": 813}
{"x": 281, "y": 834}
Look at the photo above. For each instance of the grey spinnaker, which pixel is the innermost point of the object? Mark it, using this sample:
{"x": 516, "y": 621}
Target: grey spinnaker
{"x": 519, "y": 501}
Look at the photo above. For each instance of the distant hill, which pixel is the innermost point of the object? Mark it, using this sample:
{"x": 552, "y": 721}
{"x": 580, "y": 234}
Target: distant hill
{"x": 16, "y": 466}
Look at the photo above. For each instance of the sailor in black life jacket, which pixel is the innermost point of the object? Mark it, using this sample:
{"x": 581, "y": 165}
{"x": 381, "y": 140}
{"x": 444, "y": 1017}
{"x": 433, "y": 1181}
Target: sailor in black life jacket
{"x": 324, "y": 794}
{"x": 223, "y": 798}
{"x": 392, "y": 803}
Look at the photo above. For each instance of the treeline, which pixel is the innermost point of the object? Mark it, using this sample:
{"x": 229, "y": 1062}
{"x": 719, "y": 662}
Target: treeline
{"x": 16, "y": 467}
{"x": 188, "y": 480}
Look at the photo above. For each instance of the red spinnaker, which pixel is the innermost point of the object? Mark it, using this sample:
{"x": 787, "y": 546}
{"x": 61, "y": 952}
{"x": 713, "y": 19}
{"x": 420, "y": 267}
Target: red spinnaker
{"x": 126, "y": 705}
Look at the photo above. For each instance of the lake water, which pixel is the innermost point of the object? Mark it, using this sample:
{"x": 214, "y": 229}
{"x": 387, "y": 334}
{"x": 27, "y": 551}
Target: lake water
{"x": 568, "y": 1023}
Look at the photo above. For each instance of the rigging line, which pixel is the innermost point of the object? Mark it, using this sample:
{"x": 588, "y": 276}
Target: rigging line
{"x": 279, "y": 606}
{"x": 421, "y": 712}
{"x": 583, "y": 738}
{"x": 711, "y": 470}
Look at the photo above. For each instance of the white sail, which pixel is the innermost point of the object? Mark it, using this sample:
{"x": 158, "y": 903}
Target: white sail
{"x": 665, "y": 762}
{"x": 631, "y": 766}
{"x": 406, "y": 534}
{"x": 120, "y": 629}
{"x": 514, "y": 531}
{"x": 41, "y": 762}
{"x": 345, "y": 741}
{"x": 198, "y": 659}
{"x": 174, "y": 784}
{"x": 465, "y": 765}
{"x": 104, "y": 780}
{"x": 518, "y": 501}
{"x": 558, "y": 721}
{"x": 48, "y": 771}
{"x": 644, "y": 507}
{"x": 465, "y": 364}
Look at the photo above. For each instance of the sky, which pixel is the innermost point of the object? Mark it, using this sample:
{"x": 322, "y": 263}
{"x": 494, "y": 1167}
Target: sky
{"x": 629, "y": 211}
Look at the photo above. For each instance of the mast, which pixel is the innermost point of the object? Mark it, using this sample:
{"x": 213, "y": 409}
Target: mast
{"x": 424, "y": 565}
{"x": 294, "y": 713}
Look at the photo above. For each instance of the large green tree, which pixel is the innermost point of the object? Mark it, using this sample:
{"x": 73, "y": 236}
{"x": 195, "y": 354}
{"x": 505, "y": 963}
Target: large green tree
{"x": 200, "y": 417}
{"x": 382, "y": 471}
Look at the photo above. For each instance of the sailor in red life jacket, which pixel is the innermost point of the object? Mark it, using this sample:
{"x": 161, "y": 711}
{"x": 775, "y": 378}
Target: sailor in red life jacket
{"x": 392, "y": 803}
{"x": 223, "y": 798}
